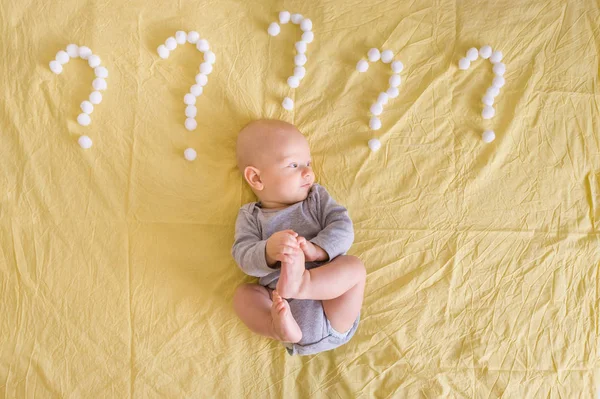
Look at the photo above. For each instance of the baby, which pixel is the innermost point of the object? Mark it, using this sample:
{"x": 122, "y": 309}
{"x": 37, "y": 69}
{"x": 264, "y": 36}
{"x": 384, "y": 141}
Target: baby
{"x": 294, "y": 239}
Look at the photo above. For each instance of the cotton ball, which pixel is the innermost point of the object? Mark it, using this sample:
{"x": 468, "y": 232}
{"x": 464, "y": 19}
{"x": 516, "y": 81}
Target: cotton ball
{"x": 293, "y": 82}
{"x": 387, "y": 56}
{"x": 499, "y": 69}
{"x": 383, "y": 98}
{"x": 464, "y": 64}
{"x": 488, "y": 100}
{"x": 362, "y": 66}
{"x": 56, "y": 67}
{"x": 84, "y": 119}
{"x": 284, "y": 17}
{"x": 376, "y": 109}
{"x": 296, "y": 18}
{"x": 488, "y": 136}
{"x": 99, "y": 84}
{"x": 101, "y": 72}
{"x": 308, "y": 37}
{"x": 274, "y": 29}
{"x": 190, "y": 153}
{"x": 492, "y": 91}
{"x": 397, "y": 66}
{"x": 87, "y": 107}
{"x": 393, "y": 92}
{"x": 498, "y": 82}
{"x": 191, "y": 124}
{"x": 189, "y": 99}
{"x": 163, "y": 52}
{"x": 196, "y": 90}
{"x": 201, "y": 79}
{"x": 300, "y": 59}
{"x": 306, "y": 25}
{"x": 171, "y": 43}
{"x": 288, "y": 104}
{"x": 374, "y": 145}
{"x": 301, "y": 47}
{"x": 84, "y": 52}
{"x": 374, "y": 55}
{"x": 84, "y": 142}
{"x": 395, "y": 80}
{"x": 485, "y": 52}
{"x": 180, "y": 37}
{"x": 191, "y": 111}
{"x": 209, "y": 56}
{"x": 202, "y": 45}
{"x": 496, "y": 56}
{"x": 299, "y": 72}
{"x": 206, "y": 68}
{"x": 73, "y": 50}
{"x": 375, "y": 123}
{"x": 488, "y": 112}
{"x": 96, "y": 97}
{"x": 193, "y": 36}
{"x": 94, "y": 61}
{"x": 62, "y": 57}
{"x": 472, "y": 54}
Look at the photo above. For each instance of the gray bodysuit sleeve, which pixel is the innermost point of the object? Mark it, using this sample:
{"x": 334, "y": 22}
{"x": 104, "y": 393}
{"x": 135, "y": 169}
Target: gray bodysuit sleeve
{"x": 249, "y": 249}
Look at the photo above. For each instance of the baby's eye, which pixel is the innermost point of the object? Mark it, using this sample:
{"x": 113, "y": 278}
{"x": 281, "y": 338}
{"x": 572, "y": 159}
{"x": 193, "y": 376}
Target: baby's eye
{"x": 308, "y": 163}
{"x": 293, "y": 165}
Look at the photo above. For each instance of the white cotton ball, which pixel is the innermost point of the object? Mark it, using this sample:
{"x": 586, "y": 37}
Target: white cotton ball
{"x": 94, "y": 61}
{"x": 301, "y": 47}
{"x": 95, "y": 97}
{"x": 488, "y": 100}
{"x": 300, "y": 59}
{"x": 191, "y": 124}
{"x": 288, "y": 104}
{"x": 306, "y": 25}
{"x": 87, "y": 107}
{"x": 202, "y": 45}
{"x": 209, "y": 56}
{"x": 393, "y": 92}
{"x": 62, "y": 57}
{"x": 395, "y": 80}
{"x": 56, "y": 67}
{"x": 492, "y": 91}
{"x": 464, "y": 64}
{"x": 193, "y": 37}
{"x": 191, "y": 111}
{"x": 196, "y": 90}
{"x": 201, "y": 79}
{"x": 485, "y": 52}
{"x": 488, "y": 136}
{"x": 296, "y": 18}
{"x": 85, "y": 142}
{"x": 189, "y": 153}
{"x": 499, "y": 69}
{"x": 189, "y": 99}
{"x": 308, "y": 37}
{"x": 84, "y": 119}
{"x": 373, "y": 55}
{"x": 488, "y": 112}
{"x": 387, "y": 56}
{"x": 163, "y": 52}
{"x": 274, "y": 29}
{"x": 375, "y": 123}
{"x": 376, "y": 109}
{"x": 84, "y": 52}
{"x": 498, "y": 82}
{"x": 299, "y": 72}
{"x": 362, "y": 66}
{"x": 496, "y": 57}
{"x": 206, "y": 68}
{"x": 293, "y": 82}
{"x": 171, "y": 43}
{"x": 374, "y": 145}
{"x": 383, "y": 98}
{"x": 284, "y": 17}
{"x": 180, "y": 37}
{"x": 101, "y": 72}
{"x": 99, "y": 84}
{"x": 397, "y": 66}
{"x": 472, "y": 54}
{"x": 73, "y": 50}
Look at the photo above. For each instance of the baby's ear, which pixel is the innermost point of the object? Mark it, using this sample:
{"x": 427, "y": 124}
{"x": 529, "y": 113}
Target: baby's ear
{"x": 252, "y": 176}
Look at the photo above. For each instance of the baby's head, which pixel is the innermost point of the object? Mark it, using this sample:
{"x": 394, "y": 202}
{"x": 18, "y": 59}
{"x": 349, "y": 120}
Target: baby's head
{"x": 274, "y": 158}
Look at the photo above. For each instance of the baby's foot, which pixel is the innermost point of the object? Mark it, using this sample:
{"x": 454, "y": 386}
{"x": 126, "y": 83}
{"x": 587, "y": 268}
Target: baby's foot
{"x": 291, "y": 275}
{"x": 286, "y": 328}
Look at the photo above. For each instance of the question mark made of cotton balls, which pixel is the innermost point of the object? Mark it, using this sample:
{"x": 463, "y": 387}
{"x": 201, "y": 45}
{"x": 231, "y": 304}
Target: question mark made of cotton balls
{"x": 488, "y": 99}
{"x": 99, "y": 84}
{"x": 196, "y": 90}
{"x": 387, "y": 57}
{"x": 300, "y": 58}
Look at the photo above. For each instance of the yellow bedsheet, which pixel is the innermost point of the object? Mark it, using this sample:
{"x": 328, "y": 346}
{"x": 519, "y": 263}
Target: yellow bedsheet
{"x": 116, "y": 278}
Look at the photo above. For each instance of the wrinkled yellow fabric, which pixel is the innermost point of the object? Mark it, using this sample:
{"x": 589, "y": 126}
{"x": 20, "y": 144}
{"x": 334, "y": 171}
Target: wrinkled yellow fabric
{"x": 116, "y": 279}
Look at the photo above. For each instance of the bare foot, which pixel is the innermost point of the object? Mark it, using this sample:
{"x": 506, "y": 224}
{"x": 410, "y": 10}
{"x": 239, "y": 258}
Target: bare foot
{"x": 285, "y": 326}
{"x": 291, "y": 275}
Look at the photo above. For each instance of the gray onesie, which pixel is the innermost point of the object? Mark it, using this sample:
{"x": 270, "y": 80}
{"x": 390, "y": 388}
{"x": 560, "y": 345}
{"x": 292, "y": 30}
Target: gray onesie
{"x": 321, "y": 221}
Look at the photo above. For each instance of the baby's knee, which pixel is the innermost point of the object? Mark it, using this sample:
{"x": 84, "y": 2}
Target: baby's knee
{"x": 358, "y": 266}
{"x": 242, "y": 294}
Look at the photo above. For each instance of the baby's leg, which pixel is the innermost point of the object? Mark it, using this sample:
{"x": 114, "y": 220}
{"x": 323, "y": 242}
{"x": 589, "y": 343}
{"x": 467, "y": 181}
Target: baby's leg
{"x": 271, "y": 319}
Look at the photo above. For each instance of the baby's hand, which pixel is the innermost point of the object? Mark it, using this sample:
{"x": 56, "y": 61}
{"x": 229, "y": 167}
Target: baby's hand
{"x": 311, "y": 251}
{"x": 282, "y": 246}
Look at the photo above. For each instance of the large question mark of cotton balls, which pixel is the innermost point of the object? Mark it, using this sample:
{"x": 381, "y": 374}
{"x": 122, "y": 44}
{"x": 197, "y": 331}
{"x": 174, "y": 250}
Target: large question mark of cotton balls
{"x": 387, "y": 57}
{"x": 300, "y": 58}
{"x": 488, "y": 99}
{"x": 99, "y": 84}
{"x": 164, "y": 50}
